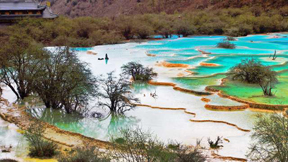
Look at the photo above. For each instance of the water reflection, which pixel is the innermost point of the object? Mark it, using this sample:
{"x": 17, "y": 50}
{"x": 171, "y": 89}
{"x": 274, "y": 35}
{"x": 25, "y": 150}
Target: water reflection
{"x": 139, "y": 87}
{"x": 118, "y": 122}
{"x": 101, "y": 128}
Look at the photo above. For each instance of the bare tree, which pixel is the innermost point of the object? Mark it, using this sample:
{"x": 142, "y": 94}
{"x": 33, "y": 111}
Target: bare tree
{"x": 115, "y": 94}
{"x": 274, "y": 56}
{"x": 216, "y": 144}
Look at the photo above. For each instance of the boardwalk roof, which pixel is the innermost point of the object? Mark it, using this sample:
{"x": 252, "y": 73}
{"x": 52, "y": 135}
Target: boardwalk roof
{"x": 8, "y": 6}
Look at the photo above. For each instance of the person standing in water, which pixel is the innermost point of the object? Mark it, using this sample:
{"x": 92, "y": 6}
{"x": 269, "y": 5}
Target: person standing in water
{"x": 106, "y": 58}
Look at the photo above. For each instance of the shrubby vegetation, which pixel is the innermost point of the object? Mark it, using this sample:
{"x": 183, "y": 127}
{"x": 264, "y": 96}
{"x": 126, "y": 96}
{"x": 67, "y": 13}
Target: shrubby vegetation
{"x": 63, "y": 82}
{"x": 226, "y": 44}
{"x": 136, "y": 145}
{"x": 85, "y": 154}
{"x": 19, "y": 66}
{"x": 253, "y": 72}
{"x": 138, "y": 71}
{"x": 57, "y": 77}
{"x": 229, "y": 38}
{"x": 88, "y": 31}
{"x": 271, "y": 135}
{"x": 216, "y": 144}
{"x": 38, "y": 147}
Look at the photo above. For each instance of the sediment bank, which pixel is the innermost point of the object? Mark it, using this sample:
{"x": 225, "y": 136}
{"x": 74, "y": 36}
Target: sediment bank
{"x": 228, "y": 158}
{"x": 203, "y": 52}
{"x": 150, "y": 55}
{"x": 205, "y": 100}
{"x": 175, "y": 87}
{"x": 165, "y": 108}
{"x": 226, "y": 108}
{"x": 209, "y": 64}
{"x": 223, "y": 122}
{"x": 22, "y": 119}
{"x": 172, "y": 65}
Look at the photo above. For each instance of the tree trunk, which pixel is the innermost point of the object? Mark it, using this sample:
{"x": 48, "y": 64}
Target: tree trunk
{"x": 14, "y": 91}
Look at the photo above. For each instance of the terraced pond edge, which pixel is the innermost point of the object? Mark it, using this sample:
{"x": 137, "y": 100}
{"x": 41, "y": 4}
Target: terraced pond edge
{"x": 249, "y": 103}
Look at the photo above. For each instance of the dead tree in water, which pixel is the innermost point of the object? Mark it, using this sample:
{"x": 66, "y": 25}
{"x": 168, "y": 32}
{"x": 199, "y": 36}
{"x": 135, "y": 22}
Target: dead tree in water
{"x": 274, "y": 56}
{"x": 116, "y": 94}
{"x": 216, "y": 144}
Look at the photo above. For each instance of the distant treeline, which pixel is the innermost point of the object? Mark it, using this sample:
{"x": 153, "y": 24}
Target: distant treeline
{"x": 88, "y": 31}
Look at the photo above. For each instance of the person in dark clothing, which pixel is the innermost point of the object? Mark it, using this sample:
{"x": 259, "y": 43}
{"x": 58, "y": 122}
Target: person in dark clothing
{"x": 106, "y": 57}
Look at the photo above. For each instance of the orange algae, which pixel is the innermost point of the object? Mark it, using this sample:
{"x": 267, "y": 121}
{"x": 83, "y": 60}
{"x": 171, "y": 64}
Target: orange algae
{"x": 179, "y": 88}
{"x": 225, "y": 139}
{"x": 204, "y": 52}
{"x": 166, "y": 108}
{"x": 190, "y": 72}
{"x": 180, "y": 75}
{"x": 205, "y": 100}
{"x": 151, "y": 55}
{"x": 223, "y": 122}
{"x": 228, "y": 158}
{"x": 161, "y": 83}
{"x": 172, "y": 65}
{"x": 91, "y": 53}
{"x": 226, "y": 108}
{"x": 208, "y": 64}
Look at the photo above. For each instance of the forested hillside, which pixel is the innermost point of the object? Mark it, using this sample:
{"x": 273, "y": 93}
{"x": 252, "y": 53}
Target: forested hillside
{"x": 75, "y": 8}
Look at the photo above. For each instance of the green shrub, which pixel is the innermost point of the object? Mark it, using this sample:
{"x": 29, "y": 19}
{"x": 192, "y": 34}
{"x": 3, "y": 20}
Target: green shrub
{"x": 138, "y": 71}
{"x": 229, "y": 38}
{"x": 270, "y": 136}
{"x": 136, "y": 145}
{"x": 226, "y": 44}
{"x": 185, "y": 154}
{"x": 253, "y": 72}
{"x": 85, "y": 154}
{"x": 216, "y": 144}
{"x": 38, "y": 147}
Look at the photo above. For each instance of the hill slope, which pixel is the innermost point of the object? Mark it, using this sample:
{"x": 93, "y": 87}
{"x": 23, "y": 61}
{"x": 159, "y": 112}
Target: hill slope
{"x": 75, "y": 8}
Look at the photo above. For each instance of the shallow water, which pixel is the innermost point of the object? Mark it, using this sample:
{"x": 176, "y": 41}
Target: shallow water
{"x": 176, "y": 124}
{"x": 11, "y": 137}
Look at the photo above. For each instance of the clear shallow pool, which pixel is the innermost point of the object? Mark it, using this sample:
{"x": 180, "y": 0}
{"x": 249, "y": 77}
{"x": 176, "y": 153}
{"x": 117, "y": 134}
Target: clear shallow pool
{"x": 10, "y": 137}
{"x": 176, "y": 124}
